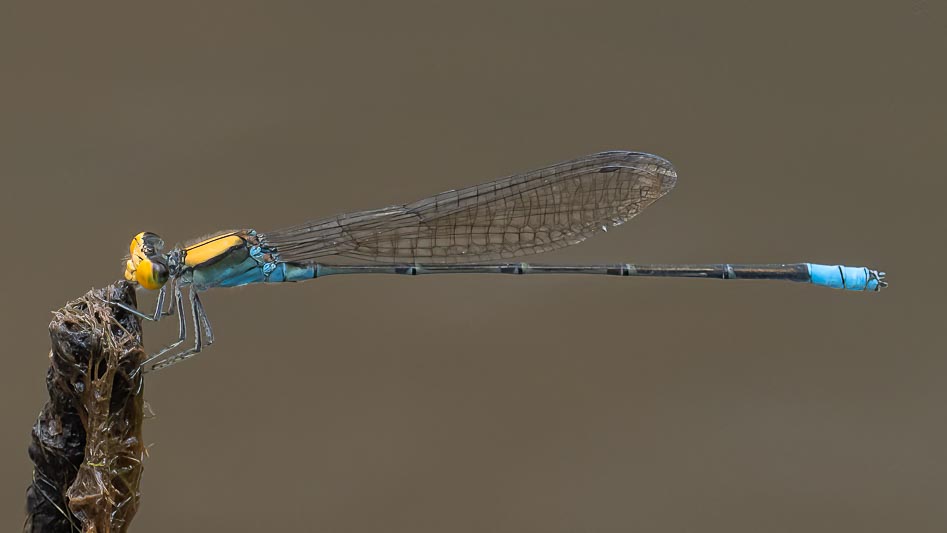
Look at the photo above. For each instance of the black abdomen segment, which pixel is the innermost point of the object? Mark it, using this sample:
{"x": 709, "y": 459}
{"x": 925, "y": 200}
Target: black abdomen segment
{"x": 792, "y": 272}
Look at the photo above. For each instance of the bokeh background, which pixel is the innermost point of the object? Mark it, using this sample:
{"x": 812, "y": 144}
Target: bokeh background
{"x": 801, "y": 132}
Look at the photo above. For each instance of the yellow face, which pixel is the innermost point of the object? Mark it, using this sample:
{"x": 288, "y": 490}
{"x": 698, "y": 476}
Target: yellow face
{"x": 144, "y": 265}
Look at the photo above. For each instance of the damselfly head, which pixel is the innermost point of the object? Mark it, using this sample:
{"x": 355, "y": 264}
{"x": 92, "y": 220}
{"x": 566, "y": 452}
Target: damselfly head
{"x": 146, "y": 265}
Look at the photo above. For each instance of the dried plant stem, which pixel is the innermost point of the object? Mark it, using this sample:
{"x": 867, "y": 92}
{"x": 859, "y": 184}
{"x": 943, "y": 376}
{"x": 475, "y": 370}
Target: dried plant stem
{"x": 87, "y": 446}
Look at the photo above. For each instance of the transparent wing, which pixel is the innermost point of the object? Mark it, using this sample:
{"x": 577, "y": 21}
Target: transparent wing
{"x": 528, "y": 213}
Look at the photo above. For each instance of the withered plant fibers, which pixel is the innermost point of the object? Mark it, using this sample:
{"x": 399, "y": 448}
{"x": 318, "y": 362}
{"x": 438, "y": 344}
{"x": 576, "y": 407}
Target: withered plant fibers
{"x": 87, "y": 446}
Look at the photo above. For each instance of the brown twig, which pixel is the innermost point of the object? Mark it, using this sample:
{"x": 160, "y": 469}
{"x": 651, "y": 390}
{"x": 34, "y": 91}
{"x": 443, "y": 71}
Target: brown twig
{"x": 87, "y": 446}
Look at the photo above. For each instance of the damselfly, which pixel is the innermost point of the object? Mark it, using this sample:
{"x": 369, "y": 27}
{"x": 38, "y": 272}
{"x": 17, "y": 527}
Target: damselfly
{"x": 479, "y": 229}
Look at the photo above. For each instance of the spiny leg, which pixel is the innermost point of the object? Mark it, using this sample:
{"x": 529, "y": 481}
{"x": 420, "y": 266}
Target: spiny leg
{"x": 174, "y": 288}
{"x": 198, "y": 317}
{"x": 208, "y": 331}
{"x": 178, "y": 301}
{"x": 154, "y": 317}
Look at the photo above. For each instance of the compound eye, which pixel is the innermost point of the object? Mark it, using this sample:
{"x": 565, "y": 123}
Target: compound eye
{"x": 151, "y": 275}
{"x": 146, "y": 243}
{"x": 152, "y": 243}
{"x": 159, "y": 271}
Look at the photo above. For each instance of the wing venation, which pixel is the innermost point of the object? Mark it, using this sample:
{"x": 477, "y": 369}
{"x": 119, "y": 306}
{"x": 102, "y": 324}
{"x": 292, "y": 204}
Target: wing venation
{"x": 523, "y": 214}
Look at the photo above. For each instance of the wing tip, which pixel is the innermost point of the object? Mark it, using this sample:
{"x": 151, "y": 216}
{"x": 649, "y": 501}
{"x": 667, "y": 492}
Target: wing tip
{"x": 665, "y": 168}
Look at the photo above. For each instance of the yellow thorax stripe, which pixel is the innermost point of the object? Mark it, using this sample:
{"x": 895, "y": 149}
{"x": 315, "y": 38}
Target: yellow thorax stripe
{"x": 207, "y": 250}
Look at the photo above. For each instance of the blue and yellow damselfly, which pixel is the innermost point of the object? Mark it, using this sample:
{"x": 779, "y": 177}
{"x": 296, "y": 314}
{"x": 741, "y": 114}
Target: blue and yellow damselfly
{"x": 479, "y": 229}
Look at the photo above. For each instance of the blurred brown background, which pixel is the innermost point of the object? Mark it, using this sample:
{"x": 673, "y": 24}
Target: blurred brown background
{"x": 469, "y": 404}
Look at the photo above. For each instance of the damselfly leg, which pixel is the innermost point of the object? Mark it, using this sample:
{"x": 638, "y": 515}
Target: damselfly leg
{"x": 154, "y": 317}
{"x": 178, "y": 301}
{"x": 200, "y": 321}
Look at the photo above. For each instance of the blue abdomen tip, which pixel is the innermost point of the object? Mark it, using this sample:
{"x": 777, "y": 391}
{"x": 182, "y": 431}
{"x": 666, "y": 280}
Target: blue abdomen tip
{"x": 845, "y": 277}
